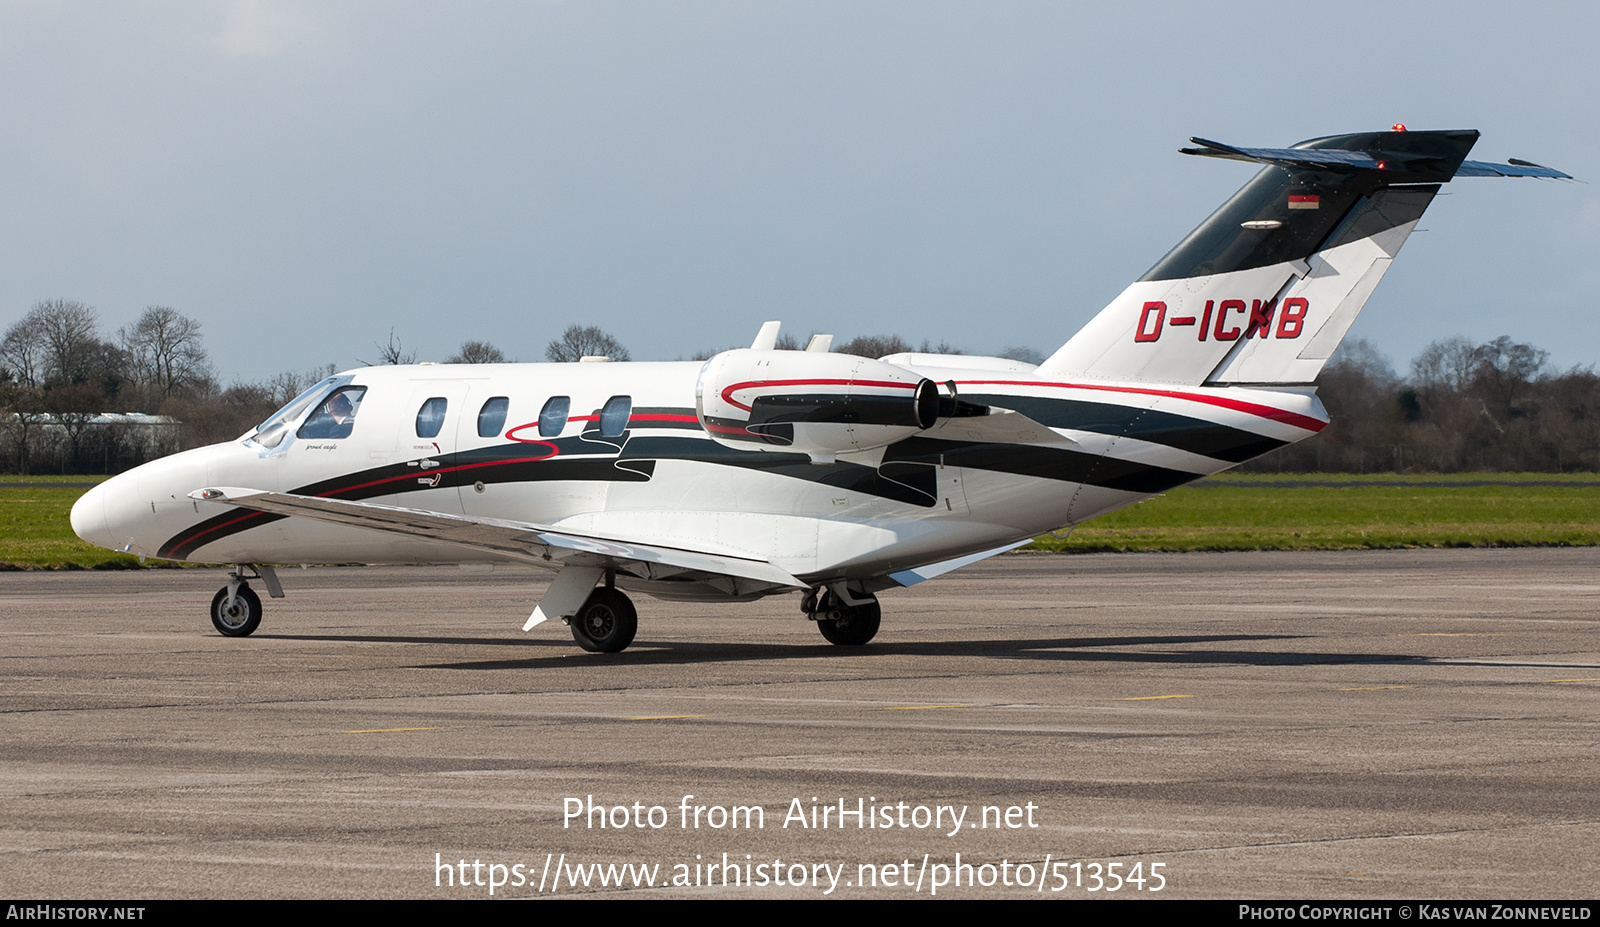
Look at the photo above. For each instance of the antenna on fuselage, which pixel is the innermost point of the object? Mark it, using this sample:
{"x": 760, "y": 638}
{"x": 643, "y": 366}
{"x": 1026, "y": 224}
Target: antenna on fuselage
{"x": 767, "y": 338}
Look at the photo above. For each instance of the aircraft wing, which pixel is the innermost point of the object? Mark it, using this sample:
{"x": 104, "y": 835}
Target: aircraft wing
{"x": 538, "y": 544}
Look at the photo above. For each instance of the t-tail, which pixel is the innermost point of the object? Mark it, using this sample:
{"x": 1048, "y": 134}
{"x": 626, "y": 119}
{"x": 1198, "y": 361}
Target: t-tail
{"x": 1265, "y": 289}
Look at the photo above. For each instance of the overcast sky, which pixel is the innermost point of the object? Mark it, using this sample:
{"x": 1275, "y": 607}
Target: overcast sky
{"x": 301, "y": 177}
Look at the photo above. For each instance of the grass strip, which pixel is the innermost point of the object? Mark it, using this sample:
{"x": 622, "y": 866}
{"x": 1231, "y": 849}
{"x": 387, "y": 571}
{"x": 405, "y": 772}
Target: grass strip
{"x": 1357, "y": 511}
{"x": 1297, "y": 511}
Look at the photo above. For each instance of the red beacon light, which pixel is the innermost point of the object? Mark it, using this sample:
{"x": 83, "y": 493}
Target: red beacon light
{"x": 1398, "y": 127}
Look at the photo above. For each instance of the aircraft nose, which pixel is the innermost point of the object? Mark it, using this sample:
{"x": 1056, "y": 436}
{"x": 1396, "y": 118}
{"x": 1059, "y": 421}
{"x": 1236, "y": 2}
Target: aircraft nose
{"x": 89, "y": 517}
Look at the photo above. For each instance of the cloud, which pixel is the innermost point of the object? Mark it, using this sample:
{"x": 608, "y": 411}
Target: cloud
{"x": 260, "y": 28}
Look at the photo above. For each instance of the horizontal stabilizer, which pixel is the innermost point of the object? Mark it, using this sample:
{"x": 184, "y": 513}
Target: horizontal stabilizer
{"x": 1333, "y": 159}
{"x": 1323, "y": 158}
{"x": 1515, "y": 169}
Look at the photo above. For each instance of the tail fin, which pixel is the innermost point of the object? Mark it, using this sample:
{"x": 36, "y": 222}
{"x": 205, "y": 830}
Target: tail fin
{"x": 1265, "y": 289}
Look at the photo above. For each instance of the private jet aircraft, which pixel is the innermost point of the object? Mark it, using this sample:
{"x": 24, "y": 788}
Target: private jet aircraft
{"x": 764, "y": 471}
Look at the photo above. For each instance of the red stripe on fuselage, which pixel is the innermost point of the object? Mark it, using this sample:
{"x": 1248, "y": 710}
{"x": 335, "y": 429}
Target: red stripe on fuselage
{"x": 1225, "y": 402}
{"x": 419, "y": 471}
{"x": 412, "y": 474}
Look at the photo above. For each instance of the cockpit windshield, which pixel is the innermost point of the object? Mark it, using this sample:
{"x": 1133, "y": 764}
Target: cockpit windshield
{"x": 273, "y": 430}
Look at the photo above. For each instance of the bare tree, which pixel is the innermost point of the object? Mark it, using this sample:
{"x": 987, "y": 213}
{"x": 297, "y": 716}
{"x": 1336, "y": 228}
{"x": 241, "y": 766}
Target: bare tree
{"x": 1446, "y": 365}
{"x": 70, "y": 333}
{"x": 22, "y": 352}
{"x": 874, "y": 346}
{"x": 578, "y": 342}
{"x": 289, "y": 384}
{"x": 393, "y": 353}
{"x": 164, "y": 352}
{"x": 57, "y": 341}
{"x": 74, "y": 407}
{"x": 478, "y": 352}
{"x": 1022, "y": 353}
{"x": 21, "y": 420}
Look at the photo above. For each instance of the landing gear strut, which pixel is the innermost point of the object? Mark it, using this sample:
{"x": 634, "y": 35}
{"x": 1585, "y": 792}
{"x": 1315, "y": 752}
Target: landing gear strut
{"x": 606, "y": 622}
{"x": 847, "y": 625}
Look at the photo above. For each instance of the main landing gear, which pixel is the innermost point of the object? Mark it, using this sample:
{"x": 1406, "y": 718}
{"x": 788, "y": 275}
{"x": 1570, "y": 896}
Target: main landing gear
{"x": 850, "y": 624}
{"x": 606, "y": 622}
{"x": 236, "y": 609}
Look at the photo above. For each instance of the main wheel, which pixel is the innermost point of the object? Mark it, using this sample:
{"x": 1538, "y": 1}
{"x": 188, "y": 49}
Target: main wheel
{"x": 606, "y": 623}
{"x": 240, "y": 620}
{"x": 854, "y": 626}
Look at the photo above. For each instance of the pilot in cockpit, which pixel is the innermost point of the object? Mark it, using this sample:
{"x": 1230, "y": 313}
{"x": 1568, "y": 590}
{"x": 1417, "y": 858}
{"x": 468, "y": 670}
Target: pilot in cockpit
{"x": 333, "y": 420}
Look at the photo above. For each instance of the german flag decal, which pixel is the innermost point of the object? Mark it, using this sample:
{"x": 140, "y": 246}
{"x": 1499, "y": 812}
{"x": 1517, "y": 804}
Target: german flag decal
{"x": 1304, "y": 201}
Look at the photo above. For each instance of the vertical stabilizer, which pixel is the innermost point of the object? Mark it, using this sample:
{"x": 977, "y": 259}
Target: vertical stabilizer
{"x": 1264, "y": 290}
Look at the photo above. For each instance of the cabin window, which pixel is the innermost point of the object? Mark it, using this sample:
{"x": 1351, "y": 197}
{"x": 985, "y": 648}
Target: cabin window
{"x": 334, "y": 416}
{"x": 430, "y": 418}
{"x": 553, "y": 417}
{"x": 614, "y": 417}
{"x": 492, "y": 417}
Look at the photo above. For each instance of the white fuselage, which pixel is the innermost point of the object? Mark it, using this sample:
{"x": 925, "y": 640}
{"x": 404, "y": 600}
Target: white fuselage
{"x": 965, "y": 485}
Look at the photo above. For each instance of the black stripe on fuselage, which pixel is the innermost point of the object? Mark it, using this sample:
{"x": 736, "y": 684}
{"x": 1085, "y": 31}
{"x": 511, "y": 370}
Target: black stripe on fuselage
{"x": 504, "y": 463}
{"x": 907, "y": 474}
{"x": 1197, "y": 436}
{"x": 1042, "y": 462}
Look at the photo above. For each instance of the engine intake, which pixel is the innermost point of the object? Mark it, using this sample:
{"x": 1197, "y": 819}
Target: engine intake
{"x": 819, "y": 404}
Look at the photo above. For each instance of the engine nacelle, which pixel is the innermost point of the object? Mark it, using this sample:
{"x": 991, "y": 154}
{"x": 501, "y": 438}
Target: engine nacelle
{"x": 820, "y": 404}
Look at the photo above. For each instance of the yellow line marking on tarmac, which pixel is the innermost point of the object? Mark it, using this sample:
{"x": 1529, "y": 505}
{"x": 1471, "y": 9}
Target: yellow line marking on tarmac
{"x": 664, "y": 717}
{"x": 1449, "y": 634}
{"x": 391, "y": 730}
{"x": 1149, "y": 698}
{"x": 1586, "y": 679}
{"x": 1371, "y": 688}
{"x": 922, "y": 707}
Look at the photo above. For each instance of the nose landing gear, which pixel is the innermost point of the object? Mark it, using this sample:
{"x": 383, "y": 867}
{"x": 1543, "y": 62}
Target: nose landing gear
{"x": 236, "y": 609}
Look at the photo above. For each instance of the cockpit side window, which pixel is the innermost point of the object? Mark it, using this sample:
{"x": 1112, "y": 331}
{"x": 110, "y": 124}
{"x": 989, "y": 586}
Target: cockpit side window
{"x": 492, "y": 417}
{"x": 614, "y": 416}
{"x": 334, "y": 416}
{"x": 430, "y": 418}
{"x": 553, "y": 417}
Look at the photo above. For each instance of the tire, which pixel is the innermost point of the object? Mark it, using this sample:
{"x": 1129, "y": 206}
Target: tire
{"x": 606, "y": 623}
{"x": 854, "y": 626}
{"x": 243, "y": 618}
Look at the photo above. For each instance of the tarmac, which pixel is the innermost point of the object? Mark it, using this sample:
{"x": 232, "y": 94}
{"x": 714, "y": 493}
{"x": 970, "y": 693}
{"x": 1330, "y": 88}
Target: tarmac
{"x": 1354, "y": 725}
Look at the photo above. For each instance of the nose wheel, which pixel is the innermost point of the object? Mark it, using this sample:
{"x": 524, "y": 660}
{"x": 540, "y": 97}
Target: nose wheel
{"x": 236, "y": 611}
